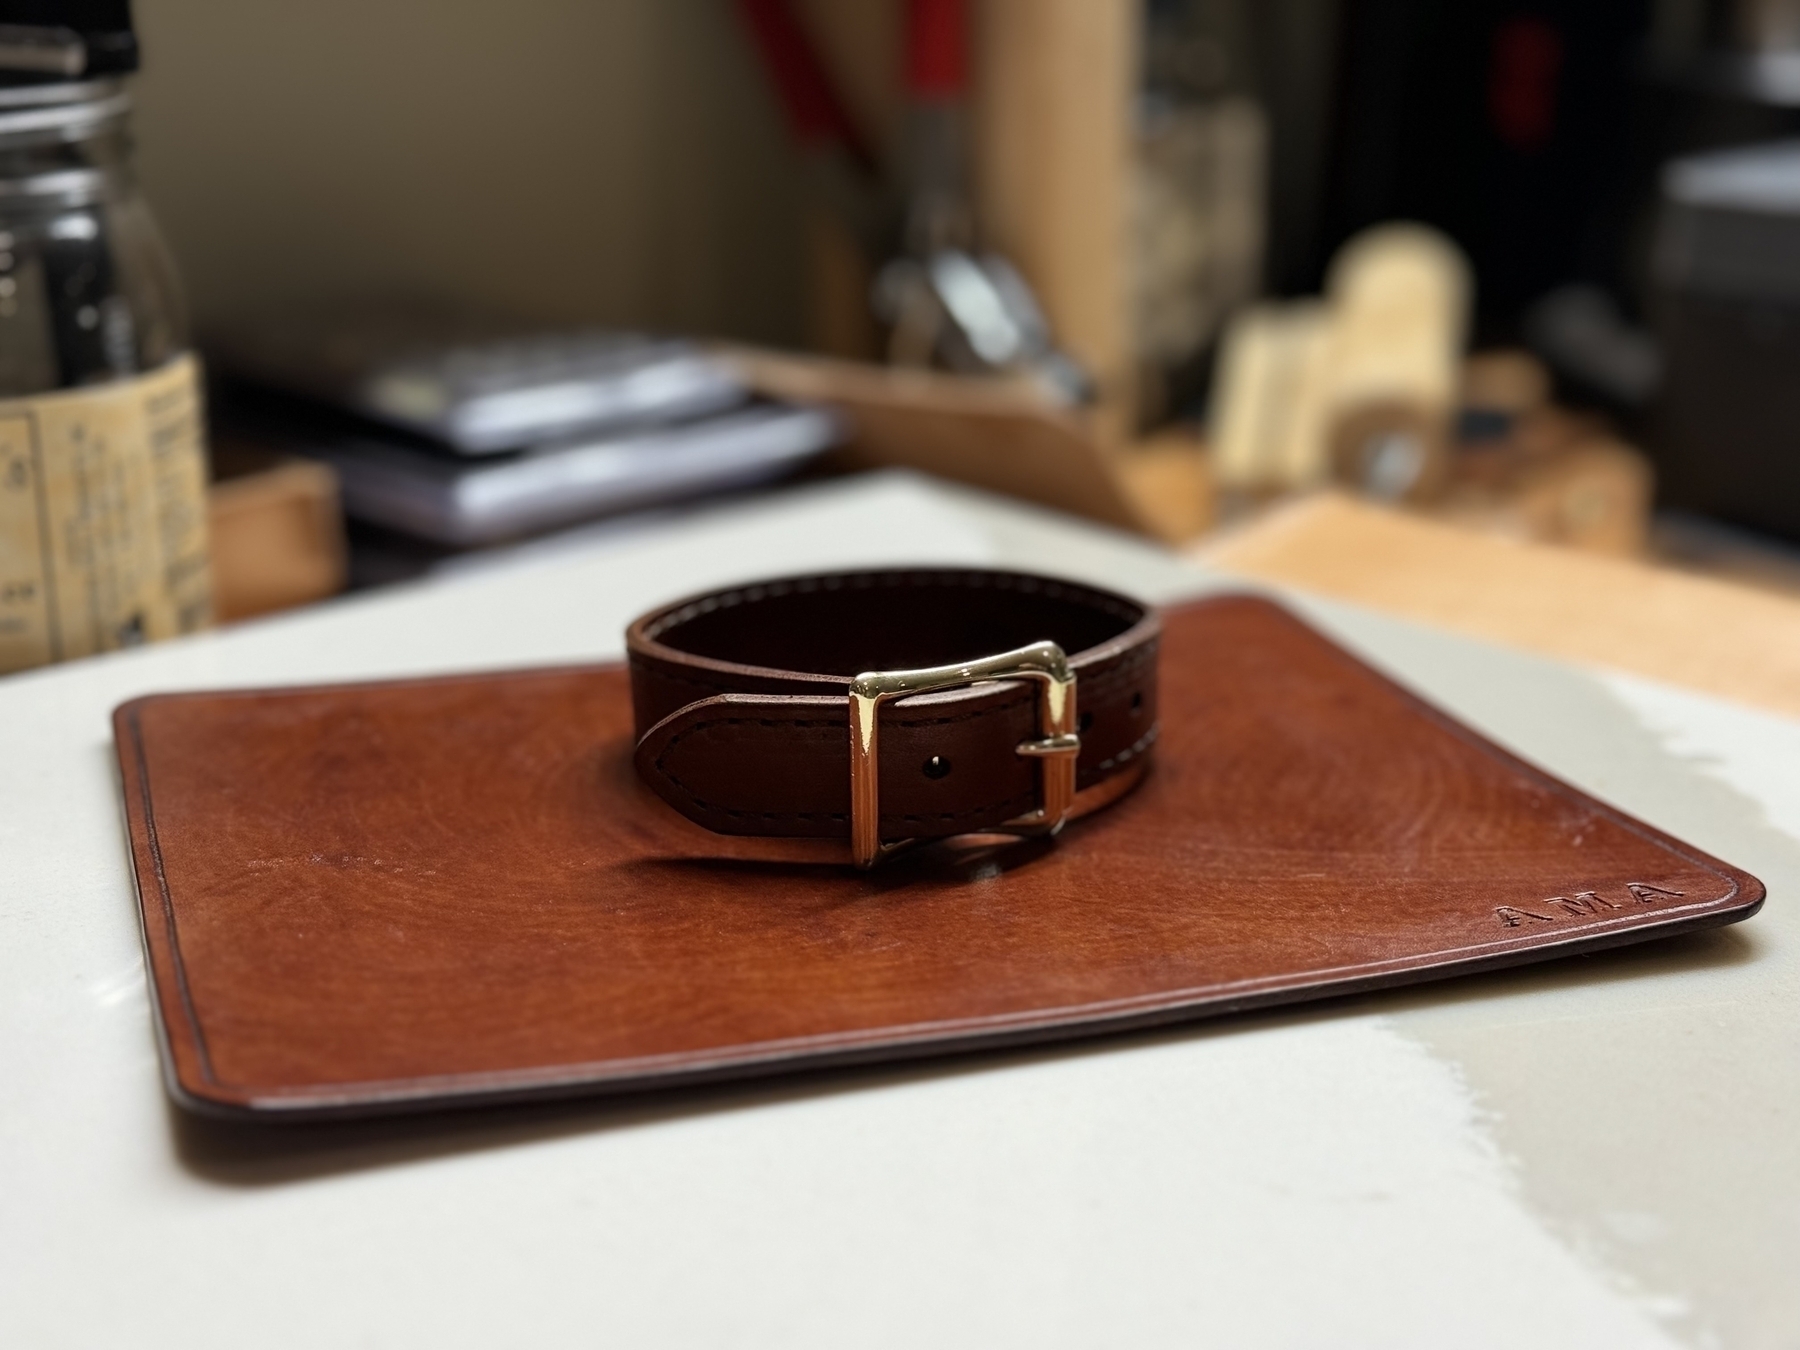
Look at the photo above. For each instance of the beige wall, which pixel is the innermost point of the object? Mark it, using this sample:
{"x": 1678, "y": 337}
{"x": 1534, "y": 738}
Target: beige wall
{"x": 618, "y": 161}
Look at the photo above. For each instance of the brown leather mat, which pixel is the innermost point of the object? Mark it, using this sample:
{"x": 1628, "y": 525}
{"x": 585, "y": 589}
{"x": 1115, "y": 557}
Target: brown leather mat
{"x": 431, "y": 892}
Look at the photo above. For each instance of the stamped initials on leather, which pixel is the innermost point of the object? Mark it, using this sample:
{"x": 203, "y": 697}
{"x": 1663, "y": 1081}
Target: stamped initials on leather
{"x": 1582, "y": 904}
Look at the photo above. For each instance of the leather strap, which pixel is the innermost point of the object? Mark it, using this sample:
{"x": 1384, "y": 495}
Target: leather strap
{"x": 742, "y": 699}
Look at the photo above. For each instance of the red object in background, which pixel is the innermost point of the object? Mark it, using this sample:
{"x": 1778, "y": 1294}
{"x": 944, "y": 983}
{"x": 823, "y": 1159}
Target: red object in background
{"x": 936, "y": 48}
{"x": 1527, "y": 59}
{"x": 815, "y": 114}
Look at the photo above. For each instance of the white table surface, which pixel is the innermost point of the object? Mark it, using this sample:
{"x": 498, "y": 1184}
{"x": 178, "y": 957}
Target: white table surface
{"x": 1598, "y": 1152}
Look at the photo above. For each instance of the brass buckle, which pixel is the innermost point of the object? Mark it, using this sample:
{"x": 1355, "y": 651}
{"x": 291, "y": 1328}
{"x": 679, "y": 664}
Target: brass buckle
{"x": 1055, "y": 749}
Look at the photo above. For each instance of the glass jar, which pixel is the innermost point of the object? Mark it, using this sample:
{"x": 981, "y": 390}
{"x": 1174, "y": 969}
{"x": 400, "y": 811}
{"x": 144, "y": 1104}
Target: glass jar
{"x": 102, "y": 465}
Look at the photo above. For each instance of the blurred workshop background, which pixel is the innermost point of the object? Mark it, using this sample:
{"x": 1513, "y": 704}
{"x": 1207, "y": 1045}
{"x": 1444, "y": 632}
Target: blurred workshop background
{"x": 467, "y": 277}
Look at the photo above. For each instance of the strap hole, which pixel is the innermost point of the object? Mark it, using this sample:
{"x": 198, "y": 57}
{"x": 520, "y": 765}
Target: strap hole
{"x": 1137, "y": 702}
{"x": 936, "y": 767}
{"x": 1085, "y": 721}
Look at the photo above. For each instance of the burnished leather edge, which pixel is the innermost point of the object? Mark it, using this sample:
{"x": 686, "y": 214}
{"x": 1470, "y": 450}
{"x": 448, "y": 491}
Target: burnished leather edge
{"x": 174, "y": 1016}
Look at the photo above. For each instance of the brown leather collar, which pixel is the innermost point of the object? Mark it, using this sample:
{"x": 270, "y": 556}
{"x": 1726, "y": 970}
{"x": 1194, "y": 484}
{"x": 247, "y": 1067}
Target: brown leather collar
{"x": 744, "y": 702}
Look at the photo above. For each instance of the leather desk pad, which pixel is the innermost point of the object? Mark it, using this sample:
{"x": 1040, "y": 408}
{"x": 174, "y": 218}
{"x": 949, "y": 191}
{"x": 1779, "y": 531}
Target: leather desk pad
{"x": 424, "y": 893}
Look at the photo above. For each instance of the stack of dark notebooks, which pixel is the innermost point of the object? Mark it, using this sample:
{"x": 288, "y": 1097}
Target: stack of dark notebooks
{"x": 462, "y": 432}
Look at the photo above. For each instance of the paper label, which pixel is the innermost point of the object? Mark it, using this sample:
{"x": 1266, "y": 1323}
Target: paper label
{"x": 102, "y": 517}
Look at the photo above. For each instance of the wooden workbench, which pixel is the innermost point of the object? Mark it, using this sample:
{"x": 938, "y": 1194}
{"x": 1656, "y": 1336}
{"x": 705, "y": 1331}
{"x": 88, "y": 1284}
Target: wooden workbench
{"x": 1715, "y": 636}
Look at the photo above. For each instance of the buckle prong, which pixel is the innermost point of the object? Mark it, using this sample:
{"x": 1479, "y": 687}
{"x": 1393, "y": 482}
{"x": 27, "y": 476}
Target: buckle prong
{"x": 1056, "y": 749}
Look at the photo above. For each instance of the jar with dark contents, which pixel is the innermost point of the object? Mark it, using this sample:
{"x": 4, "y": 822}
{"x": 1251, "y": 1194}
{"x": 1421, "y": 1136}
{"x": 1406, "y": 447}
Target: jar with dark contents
{"x": 102, "y": 462}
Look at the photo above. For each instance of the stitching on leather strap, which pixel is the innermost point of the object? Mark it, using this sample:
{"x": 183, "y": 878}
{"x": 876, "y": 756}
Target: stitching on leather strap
{"x": 1097, "y": 682}
{"x": 1137, "y": 747}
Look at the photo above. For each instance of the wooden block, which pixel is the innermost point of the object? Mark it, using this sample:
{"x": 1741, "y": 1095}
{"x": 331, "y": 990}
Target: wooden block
{"x": 277, "y": 538}
{"x": 1267, "y": 426}
{"x": 1361, "y": 387}
{"x": 1399, "y": 297}
{"x": 1713, "y": 636}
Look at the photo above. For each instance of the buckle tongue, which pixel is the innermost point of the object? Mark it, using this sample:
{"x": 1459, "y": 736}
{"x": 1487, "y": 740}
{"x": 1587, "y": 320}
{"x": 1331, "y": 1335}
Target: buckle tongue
{"x": 1056, "y": 749}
